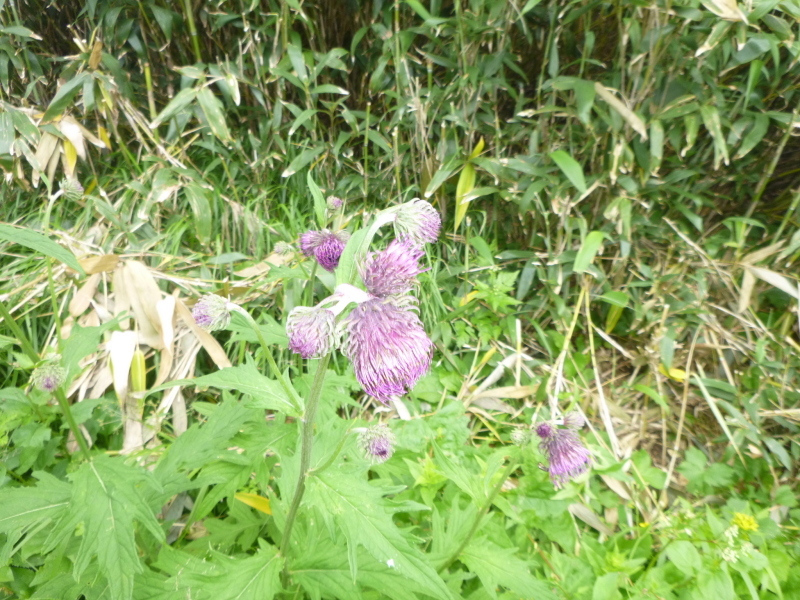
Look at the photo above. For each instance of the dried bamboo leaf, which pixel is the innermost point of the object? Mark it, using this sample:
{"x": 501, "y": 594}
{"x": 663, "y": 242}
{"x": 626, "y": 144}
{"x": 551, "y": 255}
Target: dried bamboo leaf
{"x": 72, "y": 131}
{"x": 142, "y": 293}
{"x": 746, "y": 290}
{"x": 626, "y": 113}
{"x": 776, "y": 280}
{"x": 99, "y": 264}
{"x": 83, "y": 297}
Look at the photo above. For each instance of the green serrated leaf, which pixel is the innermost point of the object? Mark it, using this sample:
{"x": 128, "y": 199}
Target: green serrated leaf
{"x": 266, "y": 393}
{"x": 108, "y": 498}
{"x": 499, "y": 566}
{"x": 364, "y": 518}
{"x": 40, "y": 243}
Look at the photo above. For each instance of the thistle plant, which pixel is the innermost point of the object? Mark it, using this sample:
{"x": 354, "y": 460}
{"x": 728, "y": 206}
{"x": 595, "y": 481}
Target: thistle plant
{"x": 565, "y": 452}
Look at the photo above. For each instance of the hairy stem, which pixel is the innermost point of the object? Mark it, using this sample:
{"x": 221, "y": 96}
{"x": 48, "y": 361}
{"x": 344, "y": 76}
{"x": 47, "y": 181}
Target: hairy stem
{"x": 305, "y": 458}
{"x": 276, "y": 372}
{"x": 27, "y": 347}
{"x": 512, "y": 464}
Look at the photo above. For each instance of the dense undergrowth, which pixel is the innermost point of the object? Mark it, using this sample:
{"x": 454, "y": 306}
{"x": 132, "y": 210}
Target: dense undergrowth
{"x": 618, "y": 183}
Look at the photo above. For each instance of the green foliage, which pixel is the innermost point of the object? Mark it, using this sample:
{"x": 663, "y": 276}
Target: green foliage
{"x": 618, "y": 185}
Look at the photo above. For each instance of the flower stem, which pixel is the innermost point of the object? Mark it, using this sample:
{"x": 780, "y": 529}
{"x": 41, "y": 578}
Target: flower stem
{"x": 27, "y": 347}
{"x": 512, "y": 464}
{"x": 305, "y": 458}
{"x": 276, "y": 372}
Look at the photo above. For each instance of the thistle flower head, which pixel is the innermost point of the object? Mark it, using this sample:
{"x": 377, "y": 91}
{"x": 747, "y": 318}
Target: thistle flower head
{"x": 574, "y": 420}
{"x": 211, "y": 312}
{"x": 418, "y": 222}
{"x": 325, "y": 246}
{"x": 311, "y": 331}
{"x": 282, "y": 248}
{"x": 521, "y": 436}
{"x": 565, "y": 452}
{"x": 48, "y": 378}
{"x": 71, "y": 188}
{"x": 393, "y": 270}
{"x": 334, "y": 203}
{"x": 389, "y": 349}
{"x": 377, "y": 443}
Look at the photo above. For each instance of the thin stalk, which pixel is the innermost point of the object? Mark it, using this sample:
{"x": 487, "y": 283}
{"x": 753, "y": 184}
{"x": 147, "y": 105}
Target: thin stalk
{"x": 512, "y": 464}
{"x": 187, "y": 9}
{"x": 312, "y": 404}
{"x": 332, "y": 458}
{"x": 276, "y": 372}
{"x": 60, "y": 396}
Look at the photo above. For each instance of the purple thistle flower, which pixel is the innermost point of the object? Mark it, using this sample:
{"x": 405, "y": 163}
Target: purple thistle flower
{"x": 325, "y": 246}
{"x": 211, "y": 312}
{"x": 48, "y": 378}
{"x": 418, "y": 221}
{"x": 565, "y": 452}
{"x": 393, "y": 270}
{"x": 311, "y": 331}
{"x": 387, "y": 345}
{"x": 377, "y": 443}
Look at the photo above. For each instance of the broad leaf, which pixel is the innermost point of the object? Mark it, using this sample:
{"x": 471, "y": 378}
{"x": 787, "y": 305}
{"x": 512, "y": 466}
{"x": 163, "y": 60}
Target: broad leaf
{"x": 359, "y": 510}
{"x": 40, "y": 243}
{"x": 266, "y": 393}
{"x": 107, "y": 498}
{"x": 499, "y": 566}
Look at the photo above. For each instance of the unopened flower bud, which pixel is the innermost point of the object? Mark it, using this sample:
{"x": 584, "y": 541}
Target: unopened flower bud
{"x": 325, "y": 246}
{"x": 211, "y": 312}
{"x": 71, "y": 188}
{"x": 574, "y": 420}
{"x": 334, "y": 203}
{"x": 282, "y": 248}
{"x": 377, "y": 443}
{"x": 521, "y": 436}
{"x": 48, "y": 378}
{"x": 311, "y": 331}
{"x": 418, "y": 222}
{"x": 393, "y": 270}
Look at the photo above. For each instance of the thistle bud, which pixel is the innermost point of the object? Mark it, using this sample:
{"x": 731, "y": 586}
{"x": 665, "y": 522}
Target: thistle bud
{"x": 377, "y": 443}
{"x": 282, "y": 248}
{"x": 574, "y": 420}
{"x": 211, "y": 312}
{"x": 325, "y": 246}
{"x": 521, "y": 436}
{"x": 334, "y": 203}
{"x": 311, "y": 331}
{"x": 418, "y": 222}
{"x": 393, "y": 270}
{"x": 71, "y": 188}
{"x": 48, "y": 378}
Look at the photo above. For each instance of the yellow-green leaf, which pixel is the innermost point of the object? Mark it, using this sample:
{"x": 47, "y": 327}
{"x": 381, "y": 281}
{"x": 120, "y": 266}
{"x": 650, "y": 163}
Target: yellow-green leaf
{"x": 466, "y": 183}
{"x": 260, "y": 503}
{"x": 478, "y": 149}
